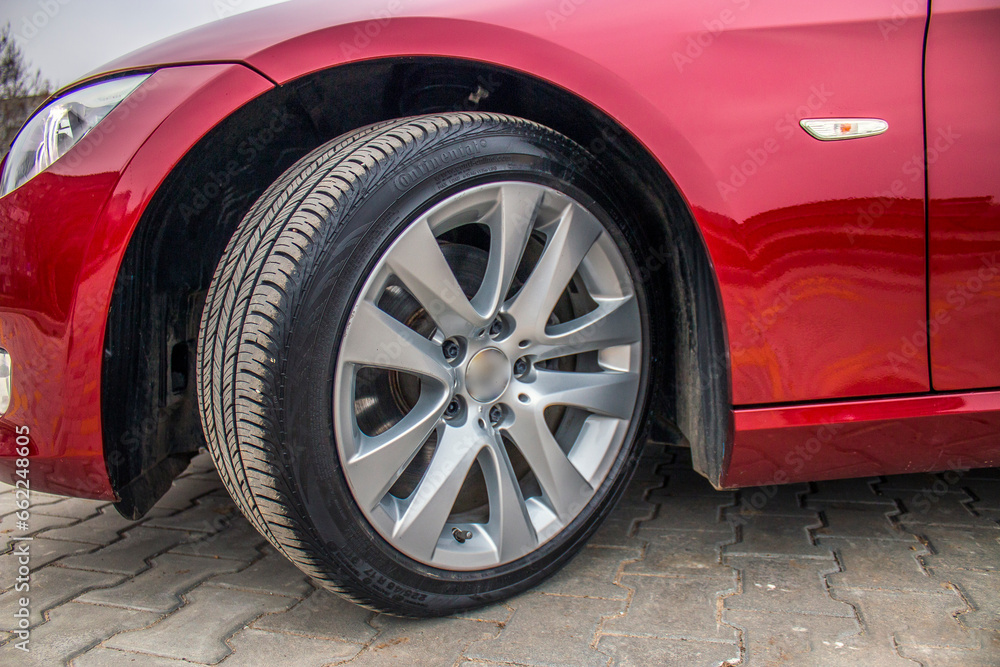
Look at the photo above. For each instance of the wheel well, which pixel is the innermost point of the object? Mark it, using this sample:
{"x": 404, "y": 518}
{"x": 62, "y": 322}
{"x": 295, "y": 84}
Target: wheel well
{"x": 150, "y": 420}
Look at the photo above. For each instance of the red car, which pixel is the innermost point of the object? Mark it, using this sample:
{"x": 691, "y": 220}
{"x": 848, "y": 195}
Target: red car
{"x": 425, "y": 276}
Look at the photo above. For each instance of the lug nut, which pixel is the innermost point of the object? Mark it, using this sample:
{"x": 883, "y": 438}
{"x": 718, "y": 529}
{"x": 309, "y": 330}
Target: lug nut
{"x": 520, "y": 367}
{"x": 451, "y": 350}
{"x": 453, "y": 409}
{"x": 496, "y": 415}
{"x": 496, "y": 327}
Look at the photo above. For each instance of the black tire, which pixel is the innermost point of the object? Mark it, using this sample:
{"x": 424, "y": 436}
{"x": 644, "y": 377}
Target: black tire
{"x": 278, "y": 307}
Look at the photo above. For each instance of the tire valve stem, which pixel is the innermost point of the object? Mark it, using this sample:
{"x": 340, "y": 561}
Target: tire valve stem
{"x": 461, "y": 535}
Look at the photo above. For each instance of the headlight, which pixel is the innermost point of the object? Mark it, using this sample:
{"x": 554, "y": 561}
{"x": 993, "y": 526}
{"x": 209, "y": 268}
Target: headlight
{"x": 61, "y": 125}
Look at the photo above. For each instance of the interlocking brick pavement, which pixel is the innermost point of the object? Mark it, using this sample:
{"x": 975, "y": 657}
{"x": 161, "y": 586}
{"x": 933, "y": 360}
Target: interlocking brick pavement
{"x": 874, "y": 572}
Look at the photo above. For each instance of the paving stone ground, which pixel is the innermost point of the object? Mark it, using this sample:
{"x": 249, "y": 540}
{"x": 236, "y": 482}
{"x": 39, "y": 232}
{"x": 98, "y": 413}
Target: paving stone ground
{"x": 874, "y": 572}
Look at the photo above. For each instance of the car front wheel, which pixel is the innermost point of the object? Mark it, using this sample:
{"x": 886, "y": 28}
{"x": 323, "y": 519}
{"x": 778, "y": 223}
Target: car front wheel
{"x": 425, "y": 358}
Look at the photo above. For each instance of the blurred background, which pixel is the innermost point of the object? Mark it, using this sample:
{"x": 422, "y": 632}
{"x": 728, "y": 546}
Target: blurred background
{"x": 48, "y": 44}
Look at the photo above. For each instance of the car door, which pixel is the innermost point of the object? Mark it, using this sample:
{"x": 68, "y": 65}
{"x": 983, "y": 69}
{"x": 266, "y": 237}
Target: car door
{"x": 962, "y": 83}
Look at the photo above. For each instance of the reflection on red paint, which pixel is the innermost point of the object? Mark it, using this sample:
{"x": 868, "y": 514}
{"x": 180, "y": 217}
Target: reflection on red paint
{"x": 818, "y": 247}
{"x": 863, "y": 438}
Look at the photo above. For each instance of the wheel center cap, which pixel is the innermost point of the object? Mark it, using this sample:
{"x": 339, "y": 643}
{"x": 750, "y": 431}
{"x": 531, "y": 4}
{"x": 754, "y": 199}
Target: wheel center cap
{"x": 487, "y": 375}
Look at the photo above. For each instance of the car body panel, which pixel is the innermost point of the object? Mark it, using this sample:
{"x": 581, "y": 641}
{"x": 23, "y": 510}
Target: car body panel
{"x": 818, "y": 247}
{"x": 71, "y": 225}
{"x": 963, "y": 172}
{"x": 889, "y": 436}
{"x": 815, "y": 301}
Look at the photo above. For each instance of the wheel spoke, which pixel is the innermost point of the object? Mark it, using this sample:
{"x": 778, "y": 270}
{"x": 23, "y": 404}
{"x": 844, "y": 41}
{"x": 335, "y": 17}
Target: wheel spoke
{"x": 510, "y": 525}
{"x": 510, "y": 223}
{"x": 608, "y": 393}
{"x": 564, "y": 486}
{"x": 574, "y": 235}
{"x": 375, "y": 338}
{"x": 430, "y": 504}
{"x": 614, "y": 322}
{"x": 380, "y": 460}
{"x": 417, "y": 261}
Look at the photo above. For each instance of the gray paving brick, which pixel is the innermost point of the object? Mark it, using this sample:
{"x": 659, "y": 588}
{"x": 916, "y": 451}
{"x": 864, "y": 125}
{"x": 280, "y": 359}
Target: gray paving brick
{"x": 880, "y": 564}
{"x": 185, "y": 490}
{"x": 865, "y": 522}
{"x": 785, "y": 586}
{"x": 684, "y": 482}
{"x": 237, "y": 541}
{"x": 160, "y": 587}
{"x": 200, "y": 464}
{"x": 272, "y": 574}
{"x": 74, "y": 627}
{"x": 674, "y": 608}
{"x": 616, "y": 532}
{"x": 798, "y": 639}
{"x": 74, "y": 508}
{"x": 128, "y": 555}
{"x": 323, "y": 615}
{"x": 111, "y": 657}
{"x": 648, "y": 480}
{"x": 777, "y": 536}
{"x": 211, "y": 616}
{"x": 549, "y": 630}
{"x": 912, "y": 618}
{"x": 701, "y": 513}
{"x": 9, "y": 501}
{"x": 50, "y": 587}
{"x": 646, "y": 651}
{"x": 841, "y": 492}
{"x": 916, "y": 483}
{"x": 43, "y": 552}
{"x": 810, "y": 641}
{"x": 41, "y": 498}
{"x": 953, "y": 510}
{"x": 36, "y": 525}
{"x": 677, "y": 552}
{"x": 101, "y": 529}
{"x": 981, "y": 590}
{"x": 206, "y": 475}
{"x": 252, "y": 648}
{"x": 985, "y": 653}
{"x": 209, "y": 514}
{"x": 663, "y": 453}
{"x": 592, "y": 574}
{"x": 644, "y": 484}
{"x": 985, "y": 493}
{"x": 495, "y": 613}
{"x": 772, "y": 500}
{"x": 992, "y": 517}
{"x": 428, "y": 642}
{"x": 648, "y": 475}
{"x": 966, "y": 548}
{"x": 619, "y": 529}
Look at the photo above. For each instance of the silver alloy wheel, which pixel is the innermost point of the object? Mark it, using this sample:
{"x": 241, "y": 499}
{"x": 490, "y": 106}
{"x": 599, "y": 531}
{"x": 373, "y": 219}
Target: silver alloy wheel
{"x": 521, "y": 392}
